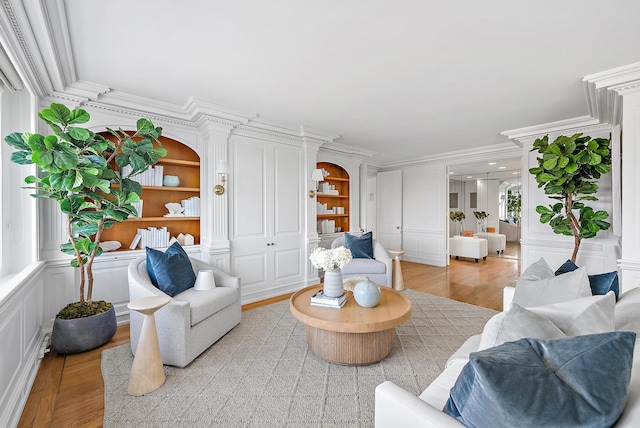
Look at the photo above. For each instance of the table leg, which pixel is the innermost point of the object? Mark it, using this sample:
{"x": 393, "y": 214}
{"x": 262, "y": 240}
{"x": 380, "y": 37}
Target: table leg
{"x": 398, "y": 282}
{"x": 147, "y": 372}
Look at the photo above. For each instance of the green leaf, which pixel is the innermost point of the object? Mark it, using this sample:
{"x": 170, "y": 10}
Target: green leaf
{"x": 65, "y": 160}
{"x": 15, "y": 140}
{"x": 595, "y": 159}
{"x": 541, "y": 209}
{"x": 145, "y": 126}
{"x": 79, "y": 133}
{"x": 78, "y": 116}
{"x": 132, "y": 197}
{"x": 21, "y": 158}
{"x": 57, "y": 113}
{"x": 550, "y": 162}
{"x": 545, "y": 177}
{"x": 571, "y": 167}
{"x": 544, "y": 218}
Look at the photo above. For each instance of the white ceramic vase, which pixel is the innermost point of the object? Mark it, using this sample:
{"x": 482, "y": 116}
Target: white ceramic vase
{"x": 333, "y": 283}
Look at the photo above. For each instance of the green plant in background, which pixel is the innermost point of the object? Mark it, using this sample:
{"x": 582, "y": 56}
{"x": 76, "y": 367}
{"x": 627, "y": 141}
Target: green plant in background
{"x": 456, "y": 215}
{"x": 481, "y": 216}
{"x": 514, "y": 204}
{"x": 77, "y": 172}
{"x": 567, "y": 170}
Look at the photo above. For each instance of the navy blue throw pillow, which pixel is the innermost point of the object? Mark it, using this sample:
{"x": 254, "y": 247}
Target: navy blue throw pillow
{"x": 568, "y": 266}
{"x": 170, "y": 271}
{"x": 361, "y": 247}
{"x": 600, "y": 283}
{"x": 537, "y": 383}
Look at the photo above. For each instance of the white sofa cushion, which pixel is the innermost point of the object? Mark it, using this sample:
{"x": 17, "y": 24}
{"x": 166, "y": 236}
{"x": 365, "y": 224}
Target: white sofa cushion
{"x": 205, "y": 303}
{"x": 588, "y": 315}
{"x": 364, "y": 266}
{"x": 562, "y": 288}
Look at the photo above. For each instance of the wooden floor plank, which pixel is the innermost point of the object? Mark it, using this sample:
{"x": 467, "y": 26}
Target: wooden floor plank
{"x": 69, "y": 392}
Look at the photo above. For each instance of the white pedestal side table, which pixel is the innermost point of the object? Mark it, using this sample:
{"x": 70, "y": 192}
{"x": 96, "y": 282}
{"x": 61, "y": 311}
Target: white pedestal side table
{"x": 398, "y": 283}
{"x": 147, "y": 372}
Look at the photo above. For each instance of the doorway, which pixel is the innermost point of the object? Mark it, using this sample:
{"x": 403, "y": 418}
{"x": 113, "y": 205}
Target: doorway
{"x": 486, "y": 197}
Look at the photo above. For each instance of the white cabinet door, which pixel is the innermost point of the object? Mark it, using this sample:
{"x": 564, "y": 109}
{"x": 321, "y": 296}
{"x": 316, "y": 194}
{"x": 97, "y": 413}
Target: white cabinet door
{"x": 390, "y": 209}
{"x": 286, "y": 227}
{"x": 267, "y": 218}
{"x": 249, "y": 217}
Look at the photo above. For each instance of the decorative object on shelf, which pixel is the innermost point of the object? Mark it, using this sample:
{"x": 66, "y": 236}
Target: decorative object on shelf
{"x": 78, "y": 173}
{"x": 223, "y": 170}
{"x": 189, "y": 239}
{"x": 171, "y": 181}
{"x": 316, "y": 176}
{"x": 175, "y": 209}
{"x": 110, "y": 245}
{"x": 205, "y": 280}
{"x": 331, "y": 261}
{"x": 568, "y": 170}
{"x": 367, "y": 293}
{"x": 482, "y": 219}
{"x": 458, "y": 217}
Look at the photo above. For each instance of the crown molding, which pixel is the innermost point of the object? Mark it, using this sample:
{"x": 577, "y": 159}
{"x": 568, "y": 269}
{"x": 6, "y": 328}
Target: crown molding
{"x": 495, "y": 151}
{"x": 603, "y": 92}
{"x": 345, "y": 150}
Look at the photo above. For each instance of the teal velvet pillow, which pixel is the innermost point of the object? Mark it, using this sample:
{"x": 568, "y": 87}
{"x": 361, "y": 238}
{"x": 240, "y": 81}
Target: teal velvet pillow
{"x": 170, "y": 271}
{"x": 600, "y": 283}
{"x": 577, "y": 381}
{"x": 361, "y": 246}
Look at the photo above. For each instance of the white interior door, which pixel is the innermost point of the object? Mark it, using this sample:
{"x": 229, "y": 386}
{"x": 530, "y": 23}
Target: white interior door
{"x": 390, "y": 209}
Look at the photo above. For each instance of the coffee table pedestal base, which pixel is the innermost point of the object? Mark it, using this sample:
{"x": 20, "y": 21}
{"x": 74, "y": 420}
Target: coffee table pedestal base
{"x": 354, "y": 349}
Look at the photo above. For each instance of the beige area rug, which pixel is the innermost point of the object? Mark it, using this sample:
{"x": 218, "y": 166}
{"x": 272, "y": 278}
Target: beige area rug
{"x": 261, "y": 374}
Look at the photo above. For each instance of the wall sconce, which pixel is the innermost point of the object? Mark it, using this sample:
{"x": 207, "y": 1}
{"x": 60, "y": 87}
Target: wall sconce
{"x": 316, "y": 177}
{"x": 223, "y": 170}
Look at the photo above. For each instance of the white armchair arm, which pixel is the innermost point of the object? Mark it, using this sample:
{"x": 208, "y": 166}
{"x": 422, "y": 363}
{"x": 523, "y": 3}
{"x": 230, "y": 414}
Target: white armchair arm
{"x": 396, "y": 407}
{"x": 381, "y": 255}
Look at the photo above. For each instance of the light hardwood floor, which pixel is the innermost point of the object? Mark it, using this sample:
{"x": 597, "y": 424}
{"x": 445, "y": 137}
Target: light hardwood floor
{"x": 68, "y": 390}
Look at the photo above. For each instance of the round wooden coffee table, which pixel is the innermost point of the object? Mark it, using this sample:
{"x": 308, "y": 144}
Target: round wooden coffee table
{"x": 352, "y": 335}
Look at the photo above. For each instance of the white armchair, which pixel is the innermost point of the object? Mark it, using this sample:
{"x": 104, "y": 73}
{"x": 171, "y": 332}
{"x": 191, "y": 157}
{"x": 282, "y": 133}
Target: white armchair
{"x": 378, "y": 269}
{"x": 193, "y": 320}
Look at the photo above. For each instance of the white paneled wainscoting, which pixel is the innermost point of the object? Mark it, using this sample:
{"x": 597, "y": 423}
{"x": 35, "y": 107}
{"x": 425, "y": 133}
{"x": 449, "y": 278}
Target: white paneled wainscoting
{"x": 22, "y": 338}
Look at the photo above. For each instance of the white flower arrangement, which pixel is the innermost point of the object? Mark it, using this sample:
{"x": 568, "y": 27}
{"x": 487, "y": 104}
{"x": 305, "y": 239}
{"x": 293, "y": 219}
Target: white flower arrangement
{"x": 337, "y": 258}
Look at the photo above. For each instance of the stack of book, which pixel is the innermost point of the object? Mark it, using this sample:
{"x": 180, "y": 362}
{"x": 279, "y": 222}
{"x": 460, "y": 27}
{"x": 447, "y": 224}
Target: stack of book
{"x": 319, "y": 299}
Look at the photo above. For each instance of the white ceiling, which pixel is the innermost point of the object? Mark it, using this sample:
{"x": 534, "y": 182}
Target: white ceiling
{"x": 404, "y": 78}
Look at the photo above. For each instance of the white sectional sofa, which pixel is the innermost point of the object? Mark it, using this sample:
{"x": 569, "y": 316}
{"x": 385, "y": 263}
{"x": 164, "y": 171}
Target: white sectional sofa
{"x": 396, "y": 407}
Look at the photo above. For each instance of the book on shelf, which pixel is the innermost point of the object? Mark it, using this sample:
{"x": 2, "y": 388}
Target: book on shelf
{"x": 319, "y": 299}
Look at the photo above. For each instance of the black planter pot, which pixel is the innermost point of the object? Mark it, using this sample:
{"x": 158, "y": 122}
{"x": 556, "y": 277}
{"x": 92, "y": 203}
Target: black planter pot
{"x": 82, "y": 334}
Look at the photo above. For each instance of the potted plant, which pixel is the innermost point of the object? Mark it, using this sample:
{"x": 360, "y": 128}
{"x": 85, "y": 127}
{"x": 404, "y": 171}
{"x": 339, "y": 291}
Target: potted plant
{"x": 567, "y": 171}
{"x": 514, "y": 202}
{"x": 77, "y": 171}
{"x": 481, "y": 216}
{"x": 457, "y": 216}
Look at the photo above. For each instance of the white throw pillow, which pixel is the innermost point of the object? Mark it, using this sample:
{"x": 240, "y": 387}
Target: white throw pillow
{"x": 535, "y": 272}
{"x": 517, "y": 323}
{"x": 556, "y": 289}
{"x": 627, "y": 310}
{"x": 588, "y": 315}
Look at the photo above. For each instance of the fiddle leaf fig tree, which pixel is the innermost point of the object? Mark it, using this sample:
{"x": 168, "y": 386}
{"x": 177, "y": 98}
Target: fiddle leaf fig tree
{"x": 77, "y": 171}
{"x": 568, "y": 170}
